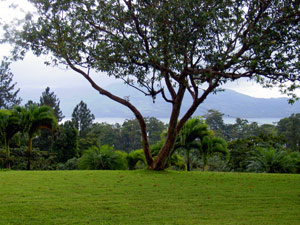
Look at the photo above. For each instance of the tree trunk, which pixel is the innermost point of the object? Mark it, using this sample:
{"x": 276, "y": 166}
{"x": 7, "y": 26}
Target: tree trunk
{"x": 29, "y": 153}
{"x": 163, "y": 155}
{"x": 166, "y": 150}
{"x": 124, "y": 102}
{"x": 205, "y": 166}
{"x": 7, "y": 156}
{"x": 188, "y": 160}
{"x": 174, "y": 126}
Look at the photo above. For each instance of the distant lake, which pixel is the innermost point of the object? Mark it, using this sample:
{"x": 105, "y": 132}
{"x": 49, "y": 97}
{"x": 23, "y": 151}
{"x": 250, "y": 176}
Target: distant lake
{"x": 227, "y": 120}
{"x": 260, "y": 121}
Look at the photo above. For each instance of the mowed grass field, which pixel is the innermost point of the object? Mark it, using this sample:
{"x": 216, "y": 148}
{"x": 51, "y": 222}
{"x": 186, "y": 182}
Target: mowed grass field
{"x": 147, "y": 197}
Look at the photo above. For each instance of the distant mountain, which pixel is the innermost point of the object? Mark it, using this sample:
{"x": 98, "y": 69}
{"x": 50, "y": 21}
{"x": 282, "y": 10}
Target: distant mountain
{"x": 229, "y": 102}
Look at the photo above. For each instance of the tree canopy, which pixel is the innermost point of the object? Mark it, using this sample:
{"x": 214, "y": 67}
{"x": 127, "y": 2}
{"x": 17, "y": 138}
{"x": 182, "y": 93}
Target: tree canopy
{"x": 167, "y": 48}
{"x": 290, "y": 129}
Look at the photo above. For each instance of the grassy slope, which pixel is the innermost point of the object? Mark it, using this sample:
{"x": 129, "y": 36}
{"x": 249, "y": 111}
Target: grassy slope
{"x": 145, "y": 197}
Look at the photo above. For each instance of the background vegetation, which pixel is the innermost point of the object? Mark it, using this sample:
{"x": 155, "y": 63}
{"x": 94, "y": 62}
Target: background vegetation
{"x": 205, "y": 143}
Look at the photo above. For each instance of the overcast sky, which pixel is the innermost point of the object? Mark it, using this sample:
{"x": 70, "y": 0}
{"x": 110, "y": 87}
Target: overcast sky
{"x": 31, "y": 73}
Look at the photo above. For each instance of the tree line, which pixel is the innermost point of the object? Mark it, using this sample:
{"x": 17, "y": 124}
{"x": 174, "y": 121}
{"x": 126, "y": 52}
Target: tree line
{"x": 33, "y": 136}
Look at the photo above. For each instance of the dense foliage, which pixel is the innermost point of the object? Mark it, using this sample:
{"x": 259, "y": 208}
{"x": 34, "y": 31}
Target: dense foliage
{"x": 102, "y": 158}
{"x": 270, "y": 160}
{"x": 65, "y": 145}
{"x": 117, "y": 146}
{"x": 290, "y": 129}
{"x": 195, "y": 135}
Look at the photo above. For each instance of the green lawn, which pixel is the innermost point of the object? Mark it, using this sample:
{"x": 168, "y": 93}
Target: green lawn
{"x": 146, "y": 197}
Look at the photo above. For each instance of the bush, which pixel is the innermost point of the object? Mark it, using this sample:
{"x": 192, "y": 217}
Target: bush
{"x": 176, "y": 162}
{"x": 71, "y": 164}
{"x": 102, "y": 158}
{"x": 270, "y": 160}
{"x": 123, "y": 159}
{"x": 136, "y": 157}
{"x": 218, "y": 164}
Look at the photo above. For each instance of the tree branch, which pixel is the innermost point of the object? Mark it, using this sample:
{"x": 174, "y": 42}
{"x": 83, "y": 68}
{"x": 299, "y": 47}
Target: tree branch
{"x": 124, "y": 102}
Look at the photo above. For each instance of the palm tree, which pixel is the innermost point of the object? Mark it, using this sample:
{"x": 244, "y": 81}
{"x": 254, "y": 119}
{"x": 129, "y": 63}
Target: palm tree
{"x": 190, "y": 137}
{"x": 196, "y": 134}
{"x": 9, "y": 125}
{"x": 212, "y": 145}
{"x": 36, "y": 118}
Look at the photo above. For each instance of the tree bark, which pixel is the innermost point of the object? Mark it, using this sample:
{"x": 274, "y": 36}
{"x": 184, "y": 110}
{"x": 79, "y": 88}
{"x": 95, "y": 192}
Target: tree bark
{"x": 188, "y": 160}
{"x": 29, "y": 153}
{"x": 165, "y": 152}
{"x": 174, "y": 126}
{"x": 7, "y": 154}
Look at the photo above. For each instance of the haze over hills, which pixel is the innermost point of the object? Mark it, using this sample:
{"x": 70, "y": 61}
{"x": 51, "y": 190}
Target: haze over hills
{"x": 229, "y": 102}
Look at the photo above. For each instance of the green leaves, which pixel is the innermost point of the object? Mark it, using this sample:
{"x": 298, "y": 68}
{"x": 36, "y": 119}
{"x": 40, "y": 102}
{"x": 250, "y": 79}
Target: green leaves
{"x": 102, "y": 158}
{"x": 37, "y": 117}
{"x": 196, "y": 135}
{"x": 271, "y": 160}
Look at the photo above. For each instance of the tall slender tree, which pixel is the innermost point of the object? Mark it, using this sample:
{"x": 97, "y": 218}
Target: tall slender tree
{"x": 50, "y": 99}
{"x": 8, "y": 91}
{"x": 45, "y": 140}
{"x": 82, "y": 118}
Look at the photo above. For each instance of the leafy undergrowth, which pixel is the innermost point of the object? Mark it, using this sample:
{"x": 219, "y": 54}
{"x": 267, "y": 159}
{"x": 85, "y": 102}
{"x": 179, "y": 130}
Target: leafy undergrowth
{"x": 147, "y": 197}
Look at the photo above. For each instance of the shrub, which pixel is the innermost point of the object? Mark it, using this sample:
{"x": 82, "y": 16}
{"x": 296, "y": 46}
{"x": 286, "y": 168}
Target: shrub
{"x": 135, "y": 157}
{"x": 177, "y": 162}
{"x": 270, "y": 160}
{"x": 71, "y": 164}
{"x": 217, "y": 163}
{"x": 101, "y": 158}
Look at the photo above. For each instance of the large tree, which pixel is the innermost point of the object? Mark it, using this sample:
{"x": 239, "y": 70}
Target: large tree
{"x": 290, "y": 129}
{"x": 66, "y": 144}
{"x": 214, "y": 119}
{"x": 130, "y": 135}
{"x": 8, "y": 93}
{"x": 168, "y": 48}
